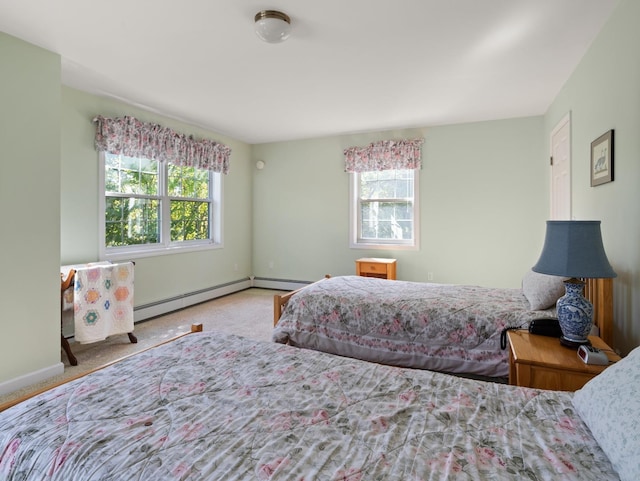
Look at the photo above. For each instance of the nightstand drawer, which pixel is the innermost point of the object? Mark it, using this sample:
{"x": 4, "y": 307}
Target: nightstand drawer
{"x": 376, "y": 267}
{"x": 372, "y": 268}
{"x": 542, "y": 362}
{"x": 548, "y": 378}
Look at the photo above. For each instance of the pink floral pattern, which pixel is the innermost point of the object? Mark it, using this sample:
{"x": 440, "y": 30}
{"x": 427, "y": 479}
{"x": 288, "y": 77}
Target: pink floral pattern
{"x": 188, "y": 411}
{"x": 443, "y": 327}
{"x": 384, "y": 155}
{"x": 134, "y": 138}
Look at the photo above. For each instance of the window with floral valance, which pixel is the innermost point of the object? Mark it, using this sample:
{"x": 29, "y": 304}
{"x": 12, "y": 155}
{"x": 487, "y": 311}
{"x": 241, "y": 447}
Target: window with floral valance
{"x": 384, "y": 155}
{"x": 384, "y": 194}
{"x": 133, "y": 138}
{"x": 161, "y": 190}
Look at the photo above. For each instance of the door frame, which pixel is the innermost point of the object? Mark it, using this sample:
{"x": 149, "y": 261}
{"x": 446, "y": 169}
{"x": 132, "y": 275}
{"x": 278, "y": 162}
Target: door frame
{"x": 566, "y": 119}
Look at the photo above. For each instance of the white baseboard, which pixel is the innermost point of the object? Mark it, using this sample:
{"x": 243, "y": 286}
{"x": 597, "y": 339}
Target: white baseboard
{"x": 278, "y": 284}
{"x": 31, "y": 378}
{"x": 165, "y": 306}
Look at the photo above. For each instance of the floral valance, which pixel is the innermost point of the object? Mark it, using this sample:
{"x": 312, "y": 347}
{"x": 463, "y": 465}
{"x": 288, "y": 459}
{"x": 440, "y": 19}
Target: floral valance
{"x": 384, "y": 155}
{"x": 133, "y": 138}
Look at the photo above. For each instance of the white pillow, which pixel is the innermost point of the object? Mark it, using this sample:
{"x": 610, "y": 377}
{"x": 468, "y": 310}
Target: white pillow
{"x": 610, "y": 405}
{"x": 541, "y": 290}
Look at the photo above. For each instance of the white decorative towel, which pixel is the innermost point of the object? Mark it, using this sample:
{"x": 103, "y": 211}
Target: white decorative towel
{"x": 103, "y": 301}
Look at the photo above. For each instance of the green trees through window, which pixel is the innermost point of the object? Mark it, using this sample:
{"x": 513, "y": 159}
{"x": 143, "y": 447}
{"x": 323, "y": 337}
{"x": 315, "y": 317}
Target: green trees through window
{"x": 142, "y": 196}
{"x": 189, "y": 217}
{"x": 386, "y": 205}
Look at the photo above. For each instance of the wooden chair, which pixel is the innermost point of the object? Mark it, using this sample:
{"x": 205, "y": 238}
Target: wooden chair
{"x": 64, "y": 285}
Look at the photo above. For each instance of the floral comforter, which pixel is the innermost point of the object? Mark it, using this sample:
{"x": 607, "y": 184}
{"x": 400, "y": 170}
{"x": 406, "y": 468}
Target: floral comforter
{"x": 219, "y": 407}
{"x": 442, "y": 327}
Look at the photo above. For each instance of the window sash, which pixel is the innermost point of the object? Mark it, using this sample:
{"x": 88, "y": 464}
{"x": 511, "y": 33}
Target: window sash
{"x": 393, "y": 228}
{"x": 170, "y": 235}
{"x": 132, "y": 226}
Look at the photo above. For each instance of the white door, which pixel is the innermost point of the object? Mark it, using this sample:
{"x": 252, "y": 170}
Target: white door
{"x": 561, "y": 170}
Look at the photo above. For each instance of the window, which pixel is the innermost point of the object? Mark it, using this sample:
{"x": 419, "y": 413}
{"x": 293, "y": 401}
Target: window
{"x": 384, "y": 209}
{"x": 151, "y": 206}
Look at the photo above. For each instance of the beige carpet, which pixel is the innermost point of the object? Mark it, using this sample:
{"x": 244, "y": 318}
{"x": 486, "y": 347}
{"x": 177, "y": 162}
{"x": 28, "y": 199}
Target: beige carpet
{"x": 247, "y": 313}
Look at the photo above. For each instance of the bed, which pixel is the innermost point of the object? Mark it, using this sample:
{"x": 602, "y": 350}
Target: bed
{"x": 442, "y": 327}
{"x": 213, "y": 406}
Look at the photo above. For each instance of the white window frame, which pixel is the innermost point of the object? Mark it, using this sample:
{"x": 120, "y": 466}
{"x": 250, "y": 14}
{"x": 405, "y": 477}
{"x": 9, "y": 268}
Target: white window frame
{"x": 355, "y": 240}
{"x": 165, "y": 246}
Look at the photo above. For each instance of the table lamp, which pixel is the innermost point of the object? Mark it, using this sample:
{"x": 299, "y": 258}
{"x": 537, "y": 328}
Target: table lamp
{"x": 574, "y": 249}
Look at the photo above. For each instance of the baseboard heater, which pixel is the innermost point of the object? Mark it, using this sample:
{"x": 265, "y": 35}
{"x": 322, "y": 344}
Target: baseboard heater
{"x": 278, "y": 284}
{"x": 164, "y": 306}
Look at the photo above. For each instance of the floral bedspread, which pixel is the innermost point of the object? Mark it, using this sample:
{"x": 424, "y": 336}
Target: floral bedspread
{"x": 443, "y": 327}
{"x": 218, "y": 407}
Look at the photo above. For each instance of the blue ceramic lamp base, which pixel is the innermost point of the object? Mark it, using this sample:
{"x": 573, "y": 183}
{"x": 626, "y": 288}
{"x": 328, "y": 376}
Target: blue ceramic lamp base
{"x": 575, "y": 314}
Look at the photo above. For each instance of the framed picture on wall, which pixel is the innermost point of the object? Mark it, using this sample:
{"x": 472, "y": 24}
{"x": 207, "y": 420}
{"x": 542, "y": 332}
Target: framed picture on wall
{"x": 602, "y": 159}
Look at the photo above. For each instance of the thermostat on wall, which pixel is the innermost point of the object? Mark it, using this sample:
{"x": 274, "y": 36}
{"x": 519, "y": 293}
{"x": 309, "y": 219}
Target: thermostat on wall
{"x": 592, "y": 355}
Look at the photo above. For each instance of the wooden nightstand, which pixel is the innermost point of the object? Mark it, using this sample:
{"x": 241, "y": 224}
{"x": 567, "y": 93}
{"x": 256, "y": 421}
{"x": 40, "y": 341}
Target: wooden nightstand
{"x": 376, "y": 267}
{"x": 542, "y": 362}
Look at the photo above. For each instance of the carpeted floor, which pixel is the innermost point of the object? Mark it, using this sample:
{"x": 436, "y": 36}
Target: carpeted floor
{"x": 247, "y": 313}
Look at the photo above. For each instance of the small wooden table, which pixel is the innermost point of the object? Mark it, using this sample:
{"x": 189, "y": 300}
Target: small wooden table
{"x": 542, "y": 362}
{"x": 376, "y": 267}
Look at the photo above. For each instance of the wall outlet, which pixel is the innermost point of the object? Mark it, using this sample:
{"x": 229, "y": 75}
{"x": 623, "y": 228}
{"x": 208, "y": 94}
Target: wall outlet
{"x": 271, "y": 264}
{"x": 429, "y": 276}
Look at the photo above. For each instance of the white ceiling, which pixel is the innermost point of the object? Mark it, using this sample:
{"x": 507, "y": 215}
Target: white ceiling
{"x": 349, "y": 66}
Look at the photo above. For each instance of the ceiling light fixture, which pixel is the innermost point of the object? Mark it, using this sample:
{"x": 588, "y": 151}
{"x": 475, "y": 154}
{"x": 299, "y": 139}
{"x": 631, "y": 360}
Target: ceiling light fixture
{"x": 272, "y": 26}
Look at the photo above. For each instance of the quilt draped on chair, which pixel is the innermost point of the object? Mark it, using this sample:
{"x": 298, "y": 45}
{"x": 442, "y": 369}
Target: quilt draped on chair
{"x": 102, "y": 300}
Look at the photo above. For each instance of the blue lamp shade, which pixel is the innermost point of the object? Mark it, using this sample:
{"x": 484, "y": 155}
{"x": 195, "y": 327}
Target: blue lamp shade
{"x": 574, "y": 249}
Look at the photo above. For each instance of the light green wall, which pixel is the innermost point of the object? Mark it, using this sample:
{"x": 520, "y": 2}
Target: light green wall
{"x": 162, "y": 277}
{"x": 29, "y": 193}
{"x": 483, "y": 204}
{"x": 602, "y": 94}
